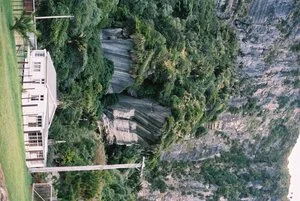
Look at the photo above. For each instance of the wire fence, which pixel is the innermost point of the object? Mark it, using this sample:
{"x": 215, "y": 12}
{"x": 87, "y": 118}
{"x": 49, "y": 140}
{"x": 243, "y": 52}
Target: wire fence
{"x": 42, "y": 192}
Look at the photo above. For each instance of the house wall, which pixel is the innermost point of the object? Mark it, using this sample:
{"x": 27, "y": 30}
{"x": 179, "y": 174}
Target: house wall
{"x": 34, "y": 107}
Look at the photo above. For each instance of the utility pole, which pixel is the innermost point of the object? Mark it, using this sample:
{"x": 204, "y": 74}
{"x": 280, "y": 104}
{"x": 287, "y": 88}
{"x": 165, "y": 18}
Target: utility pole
{"x": 54, "y": 17}
{"x": 48, "y": 17}
{"x": 88, "y": 168}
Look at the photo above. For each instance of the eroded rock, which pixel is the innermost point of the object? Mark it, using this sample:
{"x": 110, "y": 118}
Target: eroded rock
{"x": 117, "y": 48}
{"x": 134, "y": 120}
{"x": 3, "y": 189}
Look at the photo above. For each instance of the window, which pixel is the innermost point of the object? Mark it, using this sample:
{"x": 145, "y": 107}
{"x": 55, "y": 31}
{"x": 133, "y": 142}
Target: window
{"x": 39, "y": 81}
{"x": 37, "y": 97}
{"x": 40, "y": 154}
{"x": 33, "y": 155}
{"x": 36, "y": 66}
{"x": 36, "y": 81}
{"x": 35, "y": 139}
{"x": 38, "y": 122}
{"x": 32, "y": 124}
{"x": 40, "y": 54}
{"x": 35, "y": 143}
{"x": 35, "y": 135}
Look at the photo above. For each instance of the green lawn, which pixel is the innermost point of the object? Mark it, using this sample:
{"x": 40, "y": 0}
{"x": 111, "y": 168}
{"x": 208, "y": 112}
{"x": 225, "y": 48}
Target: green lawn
{"x": 12, "y": 156}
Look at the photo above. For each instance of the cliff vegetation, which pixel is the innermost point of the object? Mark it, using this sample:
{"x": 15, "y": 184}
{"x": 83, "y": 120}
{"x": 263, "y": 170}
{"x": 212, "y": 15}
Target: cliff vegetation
{"x": 185, "y": 57}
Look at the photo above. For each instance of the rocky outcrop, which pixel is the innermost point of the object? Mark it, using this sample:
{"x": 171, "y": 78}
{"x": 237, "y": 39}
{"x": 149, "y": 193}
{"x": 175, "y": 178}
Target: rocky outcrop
{"x": 131, "y": 120}
{"x": 269, "y": 71}
{"x": 134, "y": 120}
{"x": 117, "y": 48}
{"x": 226, "y": 8}
{"x": 3, "y": 189}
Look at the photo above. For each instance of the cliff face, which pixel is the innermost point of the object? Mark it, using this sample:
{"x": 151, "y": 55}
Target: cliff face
{"x": 117, "y": 48}
{"x": 134, "y": 120}
{"x": 131, "y": 120}
{"x": 3, "y": 188}
{"x": 244, "y": 154}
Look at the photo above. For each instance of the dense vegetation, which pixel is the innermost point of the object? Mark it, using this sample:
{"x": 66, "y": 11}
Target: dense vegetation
{"x": 83, "y": 73}
{"x": 183, "y": 58}
{"x": 83, "y": 76}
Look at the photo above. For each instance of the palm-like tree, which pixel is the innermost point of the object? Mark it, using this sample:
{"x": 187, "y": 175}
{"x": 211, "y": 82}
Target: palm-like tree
{"x": 24, "y": 24}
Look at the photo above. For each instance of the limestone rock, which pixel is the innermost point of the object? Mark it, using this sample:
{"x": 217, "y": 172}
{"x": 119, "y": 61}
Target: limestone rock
{"x": 3, "y": 189}
{"x": 134, "y": 120}
{"x": 117, "y": 48}
{"x": 269, "y": 71}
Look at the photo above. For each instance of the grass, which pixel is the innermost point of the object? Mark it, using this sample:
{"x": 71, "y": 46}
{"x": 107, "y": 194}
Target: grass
{"x": 12, "y": 157}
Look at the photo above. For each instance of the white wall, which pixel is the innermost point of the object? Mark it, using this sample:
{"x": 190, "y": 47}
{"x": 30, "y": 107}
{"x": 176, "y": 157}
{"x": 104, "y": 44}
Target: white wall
{"x": 34, "y": 102}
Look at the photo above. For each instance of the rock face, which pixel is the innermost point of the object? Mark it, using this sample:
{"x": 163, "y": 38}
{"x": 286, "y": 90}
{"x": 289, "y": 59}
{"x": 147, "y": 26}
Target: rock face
{"x": 134, "y": 120}
{"x": 117, "y": 48}
{"x": 120, "y": 129}
{"x": 3, "y": 189}
{"x": 263, "y": 115}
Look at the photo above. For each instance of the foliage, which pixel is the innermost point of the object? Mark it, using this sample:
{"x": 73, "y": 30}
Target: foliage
{"x": 83, "y": 75}
{"x": 184, "y": 56}
{"x": 119, "y": 186}
{"x": 248, "y": 170}
{"x": 251, "y": 107}
{"x": 282, "y": 101}
{"x": 234, "y": 171}
{"x": 295, "y": 47}
{"x": 201, "y": 131}
{"x": 126, "y": 183}
{"x": 25, "y": 25}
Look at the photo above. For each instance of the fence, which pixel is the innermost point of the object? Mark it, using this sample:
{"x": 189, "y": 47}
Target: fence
{"x": 18, "y": 7}
{"x": 42, "y": 192}
{"x": 21, "y": 44}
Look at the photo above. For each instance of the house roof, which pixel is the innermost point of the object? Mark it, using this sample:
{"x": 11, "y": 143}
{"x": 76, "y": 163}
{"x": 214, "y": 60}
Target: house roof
{"x": 52, "y": 100}
{"x": 51, "y": 86}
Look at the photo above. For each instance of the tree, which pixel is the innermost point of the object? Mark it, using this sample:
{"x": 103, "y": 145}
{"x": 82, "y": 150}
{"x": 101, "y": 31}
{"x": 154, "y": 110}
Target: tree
{"x": 24, "y": 25}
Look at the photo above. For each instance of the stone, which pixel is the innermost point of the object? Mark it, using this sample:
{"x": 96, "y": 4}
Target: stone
{"x": 265, "y": 36}
{"x": 3, "y": 189}
{"x": 134, "y": 120}
{"x": 117, "y": 48}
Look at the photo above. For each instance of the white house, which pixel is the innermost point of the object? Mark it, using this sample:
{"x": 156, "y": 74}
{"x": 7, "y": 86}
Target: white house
{"x": 39, "y": 102}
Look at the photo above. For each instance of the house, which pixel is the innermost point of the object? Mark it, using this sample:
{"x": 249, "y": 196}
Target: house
{"x": 39, "y": 102}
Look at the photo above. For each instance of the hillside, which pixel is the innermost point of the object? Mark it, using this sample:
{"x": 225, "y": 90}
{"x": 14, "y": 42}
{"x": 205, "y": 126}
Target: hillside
{"x": 228, "y": 71}
{"x": 244, "y": 154}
